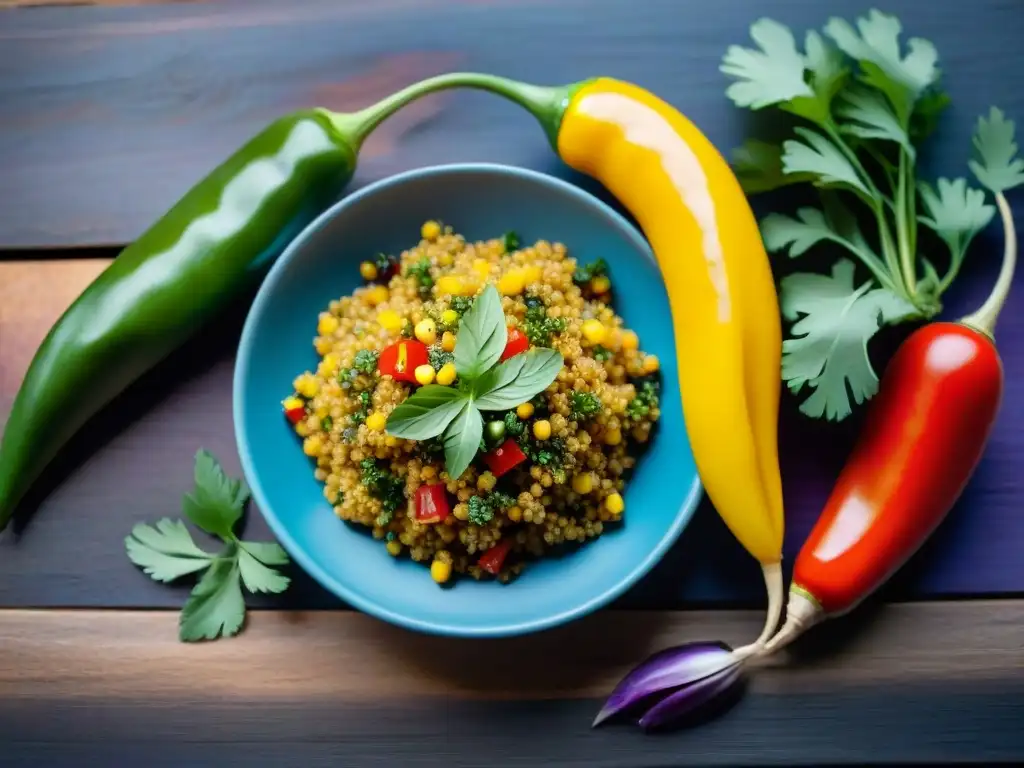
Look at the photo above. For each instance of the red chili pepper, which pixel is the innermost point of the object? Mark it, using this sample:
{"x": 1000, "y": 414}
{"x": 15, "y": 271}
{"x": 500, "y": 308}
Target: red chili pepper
{"x": 517, "y": 342}
{"x": 492, "y": 560}
{"x": 924, "y": 434}
{"x": 400, "y": 360}
{"x": 431, "y": 503}
{"x": 504, "y": 457}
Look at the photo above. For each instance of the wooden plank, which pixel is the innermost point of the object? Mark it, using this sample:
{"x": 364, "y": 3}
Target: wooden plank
{"x": 915, "y": 683}
{"x": 70, "y": 552}
{"x": 142, "y": 101}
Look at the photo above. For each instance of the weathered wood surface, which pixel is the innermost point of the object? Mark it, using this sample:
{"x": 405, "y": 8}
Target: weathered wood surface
{"x": 914, "y": 683}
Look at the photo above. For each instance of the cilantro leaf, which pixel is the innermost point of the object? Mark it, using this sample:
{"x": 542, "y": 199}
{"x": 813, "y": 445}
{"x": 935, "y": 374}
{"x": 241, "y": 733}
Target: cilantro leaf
{"x": 768, "y": 76}
{"x": 758, "y": 166}
{"x": 258, "y": 577}
{"x": 165, "y": 552}
{"x": 267, "y": 552}
{"x": 957, "y": 213}
{"x": 996, "y": 165}
{"x": 216, "y": 502}
{"x": 215, "y": 606}
{"x": 875, "y": 44}
{"x": 818, "y": 156}
{"x": 833, "y": 323}
{"x": 872, "y": 117}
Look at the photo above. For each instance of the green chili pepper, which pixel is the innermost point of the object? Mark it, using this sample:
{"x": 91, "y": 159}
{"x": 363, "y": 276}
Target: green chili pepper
{"x": 193, "y": 261}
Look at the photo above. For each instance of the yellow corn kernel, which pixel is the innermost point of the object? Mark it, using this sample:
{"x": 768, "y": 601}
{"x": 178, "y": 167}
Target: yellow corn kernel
{"x": 390, "y": 321}
{"x": 368, "y": 270}
{"x": 440, "y": 571}
{"x": 378, "y": 294}
{"x": 302, "y": 429}
{"x": 613, "y": 503}
{"x": 322, "y": 346}
{"x": 613, "y": 436}
{"x": 431, "y": 230}
{"x": 426, "y": 331}
{"x": 390, "y": 441}
{"x": 376, "y": 421}
{"x": 445, "y": 259}
{"x": 482, "y": 267}
{"x": 542, "y": 429}
{"x": 533, "y": 274}
{"x": 329, "y": 365}
{"x": 394, "y": 547}
{"x": 651, "y": 363}
{"x": 328, "y": 324}
{"x": 448, "y": 341}
{"x": 600, "y": 284}
{"x": 515, "y": 514}
{"x": 512, "y": 283}
{"x": 424, "y": 374}
{"x": 630, "y": 340}
{"x": 311, "y": 445}
{"x": 583, "y": 483}
{"x": 614, "y": 340}
{"x": 524, "y": 410}
{"x": 594, "y": 331}
{"x": 450, "y": 317}
{"x": 306, "y": 385}
{"x": 446, "y": 375}
{"x": 291, "y": 402}
{"x": 450, "y": 284}
{"x": 321, "y": 411}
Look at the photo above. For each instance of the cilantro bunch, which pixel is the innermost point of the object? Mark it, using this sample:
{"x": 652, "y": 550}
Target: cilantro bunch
{"x": 862, "y": 102}
{"x": 166, "y": 552}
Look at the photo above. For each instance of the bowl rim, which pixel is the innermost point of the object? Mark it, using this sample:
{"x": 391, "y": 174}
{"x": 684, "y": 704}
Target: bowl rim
{"x": 245, "y": 346}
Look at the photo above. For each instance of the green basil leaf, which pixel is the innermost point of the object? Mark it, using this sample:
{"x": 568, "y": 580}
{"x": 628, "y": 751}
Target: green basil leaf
{"x": 462, "y": 439}
{"x": 499, "y": 376}
{"x": 482, "y": 335}
{"x": 519, "y": 378}
{"x": 426, "y": 412}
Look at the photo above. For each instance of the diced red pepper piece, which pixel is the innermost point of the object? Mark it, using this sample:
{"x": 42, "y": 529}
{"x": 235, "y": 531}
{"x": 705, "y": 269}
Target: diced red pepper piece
{"x": 400, "y": 360}
{"x": 492, "y": 560}
{"x": 431, "y": 503}
{"x": 295, "y": 415}
{"x": 516, "y": 343}
{"x": 504, "y": 457}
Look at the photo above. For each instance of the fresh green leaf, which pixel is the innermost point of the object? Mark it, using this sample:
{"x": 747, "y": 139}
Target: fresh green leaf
{"x": 925, "y": 119}
{"x": 772, "y": 74}
{"x": 510, "y": 241}
{"x": 267, "y": 552}
{"x": 818, "y": 156}
{"x": 996, "y": 163}
{"x": 165, "y": 552}
{"x": 828, "y": 70}
{"x": 216, "y": 502}
{"x": 758, "y": 166}
{"x": 872, "y": 117}
{"x": 482, "y": 335}
{"x": 426, "y": 412}
{"x": 834, "y": 322}
{"x": 462, "y": 439}
{"x": 957, "y": 213}
{"x": 215, "y": 606}
{"x": 519, "y": 378}
{"x": 582, "y": 275}
{"x": 875, "y": 44}
{"x": 480, "y": 512}
{"x": 258, "y": 577}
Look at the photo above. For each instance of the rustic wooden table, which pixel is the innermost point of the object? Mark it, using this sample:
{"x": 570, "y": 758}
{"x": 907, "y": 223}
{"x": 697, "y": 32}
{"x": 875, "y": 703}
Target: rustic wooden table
{"x": 109, "y": 111}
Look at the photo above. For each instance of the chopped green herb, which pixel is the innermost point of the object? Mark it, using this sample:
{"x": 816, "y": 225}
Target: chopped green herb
{"x": 538, "y": 327}
{"x": 646, "y": 399}
{"x": 501, "y": 500}
{"x": 480, "y": 512}
{"x": 583, "y": 405}
{"x": 365, "y": 361}
{"x": 382, "y": 262}
{"x": 513, "y": 426}
{"x": 587, "y": 272}
{"x": 546, "y": 453}
{"x": 407, "y": 329}
{"x": 421, "y": 272}
{"x": 359, "y": 416}
{"x": 390, "y": 536}
{"x": 326, "y": 423}
{"x": 460, "y": 304}
{"x": 511, "y": 241}
{"x": 438, "y": 357}
{"x": 601, "y": 354}
{"x": 390, "y": 490}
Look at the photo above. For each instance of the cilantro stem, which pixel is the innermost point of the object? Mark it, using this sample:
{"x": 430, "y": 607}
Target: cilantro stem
{"x": 984, "y": 318}
{"x": 903, "y": 227}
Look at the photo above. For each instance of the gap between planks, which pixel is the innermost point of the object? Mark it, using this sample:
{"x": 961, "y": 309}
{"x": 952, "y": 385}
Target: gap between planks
{"x": 348, "y": 655}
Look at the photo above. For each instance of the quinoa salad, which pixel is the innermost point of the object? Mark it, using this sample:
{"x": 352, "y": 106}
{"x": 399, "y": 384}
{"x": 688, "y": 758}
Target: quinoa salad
{"x": 476, "y": 405}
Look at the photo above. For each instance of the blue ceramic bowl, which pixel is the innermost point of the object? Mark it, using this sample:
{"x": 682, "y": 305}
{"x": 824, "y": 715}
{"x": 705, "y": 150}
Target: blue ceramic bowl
{"x": 480, "y": 201}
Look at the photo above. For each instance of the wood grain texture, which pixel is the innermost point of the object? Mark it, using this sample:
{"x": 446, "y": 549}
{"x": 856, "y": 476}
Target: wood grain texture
{"x": 134, "y": 462}
{"x": 108, "y": 114}
{"x": 911, "y": 683}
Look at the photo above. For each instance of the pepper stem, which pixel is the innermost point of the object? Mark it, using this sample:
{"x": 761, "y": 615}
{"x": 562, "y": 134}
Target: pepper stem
{"x": 984, "y": 319}
{"x": 546, "y": 103}
{"x": 776, "y": 589}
